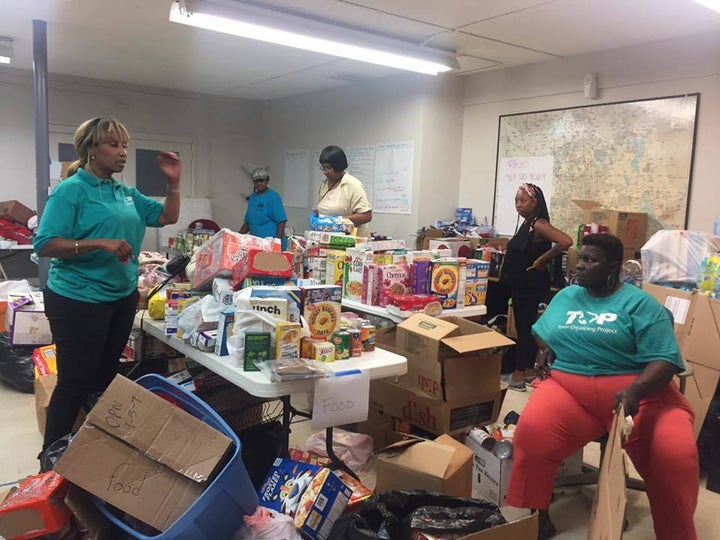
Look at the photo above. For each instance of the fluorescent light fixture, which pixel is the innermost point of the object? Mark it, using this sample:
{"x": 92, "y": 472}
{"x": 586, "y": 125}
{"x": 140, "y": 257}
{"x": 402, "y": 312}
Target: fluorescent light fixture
{"x": 186, "y": 13}
{"x": 710, "y": 4}
{"x": 6, "y": 50}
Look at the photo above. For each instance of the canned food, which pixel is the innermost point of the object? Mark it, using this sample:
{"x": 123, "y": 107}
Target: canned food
{"x": 483, "y": 438}
{"x": 503, "y": 449}
{"x": 341, "y": 340}
{"x": 367, "y": 336}
{"x": 356, "y": 347}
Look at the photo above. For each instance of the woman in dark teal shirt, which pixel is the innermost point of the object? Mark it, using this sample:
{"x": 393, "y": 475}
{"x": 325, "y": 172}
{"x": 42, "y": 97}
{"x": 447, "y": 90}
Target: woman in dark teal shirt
{"x": 92, "y": 227}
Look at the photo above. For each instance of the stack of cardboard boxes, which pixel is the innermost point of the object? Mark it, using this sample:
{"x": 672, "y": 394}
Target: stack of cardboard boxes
{"x": 453, "y": 378}
{"x": 630, "y": 227}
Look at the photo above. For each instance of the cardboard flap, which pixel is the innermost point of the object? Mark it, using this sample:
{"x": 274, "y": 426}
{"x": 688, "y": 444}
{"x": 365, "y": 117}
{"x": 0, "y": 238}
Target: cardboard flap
{"x": 427, "y": 457}
{"x": 429, "y": 326}
{"x": 400, "y": 445}
{"x": 477, "y": 342}
{"x": 586, "y": 204}
{"x": 461, "y": 455}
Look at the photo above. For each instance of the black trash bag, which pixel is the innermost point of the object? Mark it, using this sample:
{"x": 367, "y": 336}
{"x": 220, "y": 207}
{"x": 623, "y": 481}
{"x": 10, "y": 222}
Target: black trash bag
{"x": 50, "y": 456}
{"x": 16, "y": 365}
{"x": 261, "y": 445}
{"x": 392, "y": 515}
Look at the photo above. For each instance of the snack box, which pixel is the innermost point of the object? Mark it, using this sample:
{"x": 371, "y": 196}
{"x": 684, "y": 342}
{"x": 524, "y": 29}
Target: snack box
{"x": 287, "y": 340}
{"x": 291, "y": 294}
{"x": 277, "y": 307}
{"x": 321, "y": 309}
{"x": 257, "y": 347}
{"x": 313, "y": 496}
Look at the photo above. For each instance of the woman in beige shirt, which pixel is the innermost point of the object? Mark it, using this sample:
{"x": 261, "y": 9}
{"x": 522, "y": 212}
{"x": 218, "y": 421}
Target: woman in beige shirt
{"x": 341, "y": 194}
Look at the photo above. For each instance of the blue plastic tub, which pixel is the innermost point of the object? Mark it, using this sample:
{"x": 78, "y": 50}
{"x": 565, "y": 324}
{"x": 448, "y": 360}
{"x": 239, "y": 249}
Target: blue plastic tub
{"x": 218, "y": 513}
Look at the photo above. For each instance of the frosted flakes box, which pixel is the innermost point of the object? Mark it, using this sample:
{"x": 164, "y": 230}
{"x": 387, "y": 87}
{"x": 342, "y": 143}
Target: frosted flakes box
{"x": 321, "y": 309}
{"x": 445, "y": 282}
{"x": 355, "y": 260}
{"x": 313, "y": 496}
{"x": 392, "y": 279}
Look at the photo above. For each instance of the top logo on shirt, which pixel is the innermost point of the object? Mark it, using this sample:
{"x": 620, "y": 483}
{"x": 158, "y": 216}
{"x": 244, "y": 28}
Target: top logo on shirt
{"x": 587, "y": 321}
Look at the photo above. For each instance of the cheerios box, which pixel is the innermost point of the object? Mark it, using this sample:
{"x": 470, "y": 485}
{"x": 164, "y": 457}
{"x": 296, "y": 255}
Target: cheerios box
{"x": 393, "y": 279}
{"x": 321, "y": 309}
{"x": 313, "y": 496}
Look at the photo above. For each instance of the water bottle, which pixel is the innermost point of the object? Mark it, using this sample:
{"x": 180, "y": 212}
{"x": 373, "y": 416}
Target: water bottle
{"x": 716, "y": 227}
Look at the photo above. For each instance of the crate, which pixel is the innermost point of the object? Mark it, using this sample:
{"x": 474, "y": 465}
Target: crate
{"x": 218, "y": 512}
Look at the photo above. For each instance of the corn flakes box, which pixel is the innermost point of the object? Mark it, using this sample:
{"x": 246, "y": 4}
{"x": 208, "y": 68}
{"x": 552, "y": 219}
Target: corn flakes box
{"x": 321, "y": 309}
{"x": 335, "y": 267}
{"x": 355, "y": 261}
{"x": 393, "y": 279}
{"x": 313, "y": 496}
{"x": 445, "y": 282}
{"x": 287, "y": 340}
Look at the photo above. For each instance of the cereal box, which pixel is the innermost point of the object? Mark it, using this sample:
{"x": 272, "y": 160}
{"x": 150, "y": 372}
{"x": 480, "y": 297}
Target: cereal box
{"x": 392, "y": 279}
{"x": 475, "y": 292}
{"x": 420, "y": 276}
{"x": 291, "y": 294}
{"x": 445, "y": 281}
{"x": 287, "y": 340}
{"x": 321, "y": 309}
{"x": 313, "y": 496}
{"x": 477, "y": 269}
{"x": 370, "y": 285}
{"x": 334, "y": 267}
{"x": 355, "y": 260}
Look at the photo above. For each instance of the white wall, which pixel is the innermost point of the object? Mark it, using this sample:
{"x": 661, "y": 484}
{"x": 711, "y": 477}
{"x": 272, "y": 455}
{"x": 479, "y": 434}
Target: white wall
{"x": 425, "y": 110}
{"x": 223, "y": 133}
{"x": 672, "y": 67}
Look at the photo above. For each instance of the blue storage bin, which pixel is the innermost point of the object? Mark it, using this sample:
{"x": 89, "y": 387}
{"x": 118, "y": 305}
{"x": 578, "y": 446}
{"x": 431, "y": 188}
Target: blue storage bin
{"x": 218, "y": 513}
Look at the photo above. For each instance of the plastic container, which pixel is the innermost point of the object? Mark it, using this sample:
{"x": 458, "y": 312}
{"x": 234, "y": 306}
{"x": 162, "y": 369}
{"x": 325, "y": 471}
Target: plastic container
{"x": 218, "y": 513}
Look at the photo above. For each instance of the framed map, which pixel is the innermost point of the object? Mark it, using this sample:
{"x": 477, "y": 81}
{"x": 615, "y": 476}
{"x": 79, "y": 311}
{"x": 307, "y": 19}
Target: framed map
{"x": 634, "y": 156}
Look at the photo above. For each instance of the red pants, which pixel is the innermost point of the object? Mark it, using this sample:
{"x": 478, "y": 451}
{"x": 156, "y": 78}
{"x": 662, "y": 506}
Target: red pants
{"x": 566, "y": 411}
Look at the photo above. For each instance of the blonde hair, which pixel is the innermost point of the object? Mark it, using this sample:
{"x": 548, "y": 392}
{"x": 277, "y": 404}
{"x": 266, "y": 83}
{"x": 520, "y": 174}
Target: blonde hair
{"x": 95, "y": 131}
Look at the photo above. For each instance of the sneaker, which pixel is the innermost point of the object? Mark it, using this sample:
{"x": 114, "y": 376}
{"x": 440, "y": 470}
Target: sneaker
{"x": 518, "y": 386}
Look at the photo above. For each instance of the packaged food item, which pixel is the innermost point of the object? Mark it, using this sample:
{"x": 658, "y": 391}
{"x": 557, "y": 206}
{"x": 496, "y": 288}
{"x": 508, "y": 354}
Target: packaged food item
{"x": 341, "y": 340}
{"x": 291, "y": 294}
{"x": 335, "y": 267}
{"x": 445, "y": 281}
{"x": 393, "y": 279}
{"x": 420, "y": 276}
{"x": 257, "y": 348}
{"x": 356, "y": 347}
{"x": 411, "y": 302}
{"x": 367, "y": 337}
{"x": 323, "y": 351}
{"x": 355, "y": 261}
{"x": 321, "y": 309}
{"x": 287, "y": 340}
{"x": 370, "y": 284}
{"x": 277, "y": 307}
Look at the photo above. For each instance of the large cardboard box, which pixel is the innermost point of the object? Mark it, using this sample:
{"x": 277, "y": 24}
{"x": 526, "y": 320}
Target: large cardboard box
{"x": 443, "y": 465}
{"x": 700, "y": 339}
{"x": 677, "y": 301}
{"x": 608, "y": 511}
{"x": 44, "y": 386}
{"x": 433, "y": 414}
{"x": 143, "y": 455}
{"x": 700, "y": 391}
{"x": 450, "y": 358}
{"x": 630, "y": 227}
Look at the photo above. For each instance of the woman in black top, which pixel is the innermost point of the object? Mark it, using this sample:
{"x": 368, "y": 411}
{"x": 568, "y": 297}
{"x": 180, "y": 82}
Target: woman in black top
{"x": 525, "y": 270}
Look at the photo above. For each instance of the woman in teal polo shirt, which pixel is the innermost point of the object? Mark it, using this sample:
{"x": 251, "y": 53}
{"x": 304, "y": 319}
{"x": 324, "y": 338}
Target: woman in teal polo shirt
{"x": 265, "y": 215}
{"x": 92, "y": 227}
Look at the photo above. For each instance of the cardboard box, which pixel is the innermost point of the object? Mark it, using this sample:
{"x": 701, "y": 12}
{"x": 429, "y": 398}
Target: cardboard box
{"x": 677, "y": 301}
{"x": 525, "y": 528}
{"x": 699, "y": 391}
{"x": 607, "y": 515}
{"x": 143, "y": 455}
{"x": 27, "y": 324}
{"x": 630, "y": 227}
{"x": 443, "y": 465}
{"x": 450, "y": 357}
{"x": 700, "y": 338}
{"x": 16, "y": 211}
{"x": 432, "y": 414}
{"x": 44, "y": 386}
{"x": 458, "y": 246}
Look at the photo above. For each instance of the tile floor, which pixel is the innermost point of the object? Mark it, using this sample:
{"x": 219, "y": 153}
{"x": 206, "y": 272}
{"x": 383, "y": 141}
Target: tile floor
{"x": 21, "y": 441}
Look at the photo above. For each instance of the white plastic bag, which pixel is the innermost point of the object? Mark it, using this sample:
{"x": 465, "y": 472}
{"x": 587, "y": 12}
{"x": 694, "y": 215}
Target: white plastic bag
{"x": 247, "y": 320}
{"x": 675, "y": 257}
{"x": 267, "y": 524}
{"x": 353, "y": 449}
{"x": 195, "y": 317}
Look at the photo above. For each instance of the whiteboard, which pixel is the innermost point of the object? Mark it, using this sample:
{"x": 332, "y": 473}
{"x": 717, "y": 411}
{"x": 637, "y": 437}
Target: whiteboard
{"x": 297, "y": 178}
{"x": 512, "y": 172}
{"x": 361, "y": 164}
{"x": 190, "y": 210}
{"x": 393, "y": 178}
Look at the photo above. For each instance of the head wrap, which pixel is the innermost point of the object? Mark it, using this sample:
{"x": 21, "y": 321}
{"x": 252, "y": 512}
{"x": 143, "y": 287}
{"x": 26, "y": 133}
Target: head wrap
{"x": 531, "y": 189}
{"x": 260, "y": 173}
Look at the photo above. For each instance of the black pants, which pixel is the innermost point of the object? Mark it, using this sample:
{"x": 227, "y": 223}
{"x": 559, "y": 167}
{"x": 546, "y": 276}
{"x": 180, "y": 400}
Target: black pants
{"x": 90, "y": 338}
{"x": 525, "y": 309}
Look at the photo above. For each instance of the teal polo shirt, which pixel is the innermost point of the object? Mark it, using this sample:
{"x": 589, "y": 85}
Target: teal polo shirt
{"x": 83, "y": 207}
{"x": 615, "y": 335}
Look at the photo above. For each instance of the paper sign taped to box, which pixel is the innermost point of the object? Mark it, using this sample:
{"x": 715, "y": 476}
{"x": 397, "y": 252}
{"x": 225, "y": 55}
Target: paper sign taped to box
{"x": 341, "y": 400}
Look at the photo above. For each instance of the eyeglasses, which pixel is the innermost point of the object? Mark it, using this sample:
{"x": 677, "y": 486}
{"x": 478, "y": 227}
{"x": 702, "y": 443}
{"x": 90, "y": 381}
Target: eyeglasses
{"x": 256, "y": 180}
{"x": 326, "y": 167}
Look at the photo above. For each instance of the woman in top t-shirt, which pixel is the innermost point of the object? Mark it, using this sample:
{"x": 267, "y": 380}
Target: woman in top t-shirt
{"x": 341, "y": 194}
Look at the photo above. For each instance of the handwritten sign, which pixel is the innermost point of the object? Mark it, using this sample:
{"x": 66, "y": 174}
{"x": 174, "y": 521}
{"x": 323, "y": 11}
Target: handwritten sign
{"x": 361, "y": 164}
{"x": 512, "y": 172}
{"x": 341, "y": 400}
{"x": 393, "y": 178}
